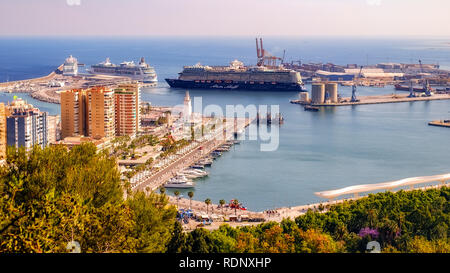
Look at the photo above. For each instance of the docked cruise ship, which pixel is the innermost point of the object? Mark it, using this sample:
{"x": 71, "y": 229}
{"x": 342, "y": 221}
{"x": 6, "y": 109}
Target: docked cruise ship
{"x": 142, "y": 72}
{"x": 267, "y": 75}
{"x": 70, "y": 67}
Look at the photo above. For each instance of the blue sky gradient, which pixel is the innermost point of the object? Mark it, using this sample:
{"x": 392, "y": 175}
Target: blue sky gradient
{"x": 225, "y": 17}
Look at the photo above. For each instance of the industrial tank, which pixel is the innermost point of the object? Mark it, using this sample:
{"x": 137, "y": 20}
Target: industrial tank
{"x": 304, "y": 97}
{"x": 332, "y": 90}
{"x": 318, "y": 93}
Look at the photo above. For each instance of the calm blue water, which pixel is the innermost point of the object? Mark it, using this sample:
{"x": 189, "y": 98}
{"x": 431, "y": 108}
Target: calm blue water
{"x": 318, "y": 151}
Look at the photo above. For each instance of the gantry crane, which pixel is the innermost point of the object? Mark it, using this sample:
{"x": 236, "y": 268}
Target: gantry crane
{"x": 355, "y": 83}
{"x": 264, "y": 57}
{"x": 426, "y": 85}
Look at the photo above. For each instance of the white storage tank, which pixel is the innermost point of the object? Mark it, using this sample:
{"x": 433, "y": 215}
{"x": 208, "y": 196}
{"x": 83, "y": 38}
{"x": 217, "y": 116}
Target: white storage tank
{"x": 318, "y": 93}
{"x": 332, "y": 90}
{"x": 304, "y": 97}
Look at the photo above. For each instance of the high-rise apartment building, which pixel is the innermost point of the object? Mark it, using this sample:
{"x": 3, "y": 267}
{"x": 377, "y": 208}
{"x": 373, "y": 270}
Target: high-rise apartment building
{"x": 101, "y": 114}
{"x": 73, "y": 113}
{"x": 53, "y": 129}
{"x": 26, "y": 126}
{"x": 127, "y": 109}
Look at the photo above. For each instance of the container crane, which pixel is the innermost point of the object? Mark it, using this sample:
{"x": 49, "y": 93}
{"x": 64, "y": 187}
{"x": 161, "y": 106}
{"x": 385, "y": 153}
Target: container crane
{"x": 421, "y": 67}
{"x": 411, "y": 90}
{"x": 426, "y": 86}
{"x": 356, "y": 82}
{"x": 264, "y": 57}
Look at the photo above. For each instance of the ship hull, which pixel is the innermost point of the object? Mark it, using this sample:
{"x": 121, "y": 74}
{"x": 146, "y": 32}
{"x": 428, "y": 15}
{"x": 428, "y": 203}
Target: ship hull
{"x": 140, "y": 78}
{"x": 268, "y": 86}
{"x": 399, "y": 87}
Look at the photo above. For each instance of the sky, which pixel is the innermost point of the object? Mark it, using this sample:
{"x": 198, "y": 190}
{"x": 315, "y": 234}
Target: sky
{"x": 225, "y": 17}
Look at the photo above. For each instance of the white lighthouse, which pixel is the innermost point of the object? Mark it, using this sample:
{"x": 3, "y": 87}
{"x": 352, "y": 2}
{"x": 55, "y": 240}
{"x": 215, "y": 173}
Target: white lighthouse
{"x": 187, "y": 111}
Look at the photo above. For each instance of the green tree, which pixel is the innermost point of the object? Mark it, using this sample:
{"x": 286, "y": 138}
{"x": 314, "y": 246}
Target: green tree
{"x": 198, "y": 241}
{"x": 178, "y": 239}
{"x": 207, "y": 202}
{"x": 191, "y": 195}
{"x": 51, "y": 196}
{"x": 54, "y": 195}
{"x": 222, "y": 203}
{"x": 236, "y": 204}
{"x": 177, "y": 193}
{"x": 153, "y": 222}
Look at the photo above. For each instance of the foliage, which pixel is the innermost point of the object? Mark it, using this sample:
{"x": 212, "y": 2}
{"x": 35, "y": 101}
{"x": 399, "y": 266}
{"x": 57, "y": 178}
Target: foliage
{"x": 52, "y": 196}
{"x": 406, "y": 221}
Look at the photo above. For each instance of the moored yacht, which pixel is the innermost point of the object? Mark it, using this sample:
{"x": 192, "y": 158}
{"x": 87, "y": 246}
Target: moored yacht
{"x": 180, "y": 182}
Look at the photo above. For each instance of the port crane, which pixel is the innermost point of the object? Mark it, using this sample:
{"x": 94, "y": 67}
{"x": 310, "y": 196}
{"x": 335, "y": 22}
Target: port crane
{"x": 356, "y": 82}
{"x": 426, "y": 86}
{"x": 264, "y": 57}
{"x": 411, "y": 90}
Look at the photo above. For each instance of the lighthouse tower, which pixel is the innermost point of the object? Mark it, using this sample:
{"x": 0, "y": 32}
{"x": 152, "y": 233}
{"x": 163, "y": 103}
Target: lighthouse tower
{"x": 187, "y": 111}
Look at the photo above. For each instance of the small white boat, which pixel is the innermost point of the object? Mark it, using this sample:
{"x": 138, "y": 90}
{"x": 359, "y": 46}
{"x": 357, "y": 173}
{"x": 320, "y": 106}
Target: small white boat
{"x": 205, "y": 162}
{"x": 190, "y": 175}
{"x": 179, "y": 182}
{"x": 193, "y": 173}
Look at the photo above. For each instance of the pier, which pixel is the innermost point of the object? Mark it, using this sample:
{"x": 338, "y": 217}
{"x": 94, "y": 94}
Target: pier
{"x": 197, "y": 151}
{"x": 380, "y": 99}
{"x": 35, "y": 80}
{"x": 39, "y": 89}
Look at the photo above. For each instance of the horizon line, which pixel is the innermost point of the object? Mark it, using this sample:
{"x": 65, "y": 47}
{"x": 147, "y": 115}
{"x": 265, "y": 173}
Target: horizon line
{"x": 219, "y": 36}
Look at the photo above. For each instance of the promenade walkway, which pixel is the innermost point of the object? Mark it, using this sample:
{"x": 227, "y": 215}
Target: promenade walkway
{"x": 191, "y": 154}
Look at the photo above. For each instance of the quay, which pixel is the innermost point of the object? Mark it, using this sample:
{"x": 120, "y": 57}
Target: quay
{"x": 440, "y": 123}
{"x": 34, "y": 80}
{"x": 199, "y": 150}
{"x": 39, "y": 88}
{"x": 380, "y": 99}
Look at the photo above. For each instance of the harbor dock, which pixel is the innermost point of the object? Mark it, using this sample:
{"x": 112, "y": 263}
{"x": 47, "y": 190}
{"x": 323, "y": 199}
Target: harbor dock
{"x": 376, "y": 100}
{"x": 440, "y": 123}
{"x": 200, "y": 149}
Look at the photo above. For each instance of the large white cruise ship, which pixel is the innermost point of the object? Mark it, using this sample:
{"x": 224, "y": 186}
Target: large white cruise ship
{"x": 142, "y": 72}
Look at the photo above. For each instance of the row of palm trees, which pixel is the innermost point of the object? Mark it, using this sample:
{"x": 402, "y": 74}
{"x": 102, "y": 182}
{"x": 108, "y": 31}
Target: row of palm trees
{"x": 208, "y": 201}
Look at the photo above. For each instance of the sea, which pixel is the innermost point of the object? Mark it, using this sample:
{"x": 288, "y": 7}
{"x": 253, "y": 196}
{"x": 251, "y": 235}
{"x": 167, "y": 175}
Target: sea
{"x": 317, "y": 151}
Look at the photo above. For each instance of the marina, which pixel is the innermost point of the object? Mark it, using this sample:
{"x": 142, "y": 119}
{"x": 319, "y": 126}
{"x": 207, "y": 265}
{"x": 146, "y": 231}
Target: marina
{"x": 340, "y": 137}
{"x": 152, "y": 127}
{"x": 201, "y": 151}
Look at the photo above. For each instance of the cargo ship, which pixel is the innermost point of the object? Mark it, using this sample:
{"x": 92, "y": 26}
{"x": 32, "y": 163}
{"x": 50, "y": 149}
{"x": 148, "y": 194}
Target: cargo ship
{"x": 266, "y": 75}
{"x": 422, "y": 89}
{"x": 142, "y": 72}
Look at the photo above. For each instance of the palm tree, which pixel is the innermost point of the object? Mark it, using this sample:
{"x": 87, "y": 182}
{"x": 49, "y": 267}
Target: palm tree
{"x": 190, "y": 194}
{"x": 222, "y": 202}
{"x": 176, "y": 195}
{"x": 207, "y": 202}
{"x": 162, "y": 190}
{"x": 236, "y": 203}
